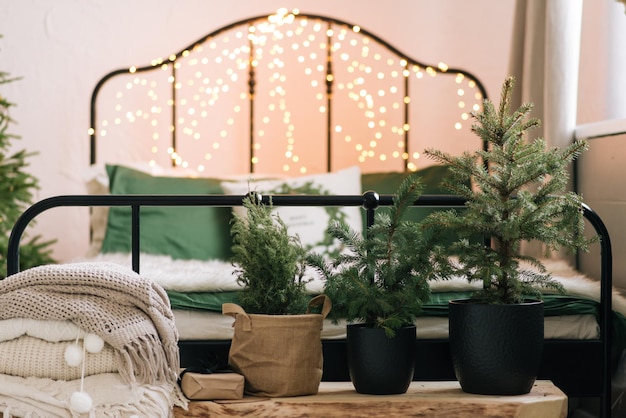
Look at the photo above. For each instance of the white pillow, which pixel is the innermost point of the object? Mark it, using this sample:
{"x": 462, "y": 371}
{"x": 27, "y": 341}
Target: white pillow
{"x": 310, "y": 223}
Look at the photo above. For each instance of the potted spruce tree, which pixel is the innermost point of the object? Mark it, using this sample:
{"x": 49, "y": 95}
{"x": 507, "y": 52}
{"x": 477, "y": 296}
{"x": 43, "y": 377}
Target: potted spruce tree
{"x": 518, "y": 194}
{"x": 378, "y": 286}
{"x": 277, "y": 339}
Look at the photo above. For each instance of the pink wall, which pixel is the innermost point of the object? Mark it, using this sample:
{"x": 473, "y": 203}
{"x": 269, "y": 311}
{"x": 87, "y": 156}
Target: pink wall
{"x": 61, "y": 48}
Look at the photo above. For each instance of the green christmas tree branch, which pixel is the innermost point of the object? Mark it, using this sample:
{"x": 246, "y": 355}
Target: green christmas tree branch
{"x": 17, "y": 188}
{"x": 518, "y": 194}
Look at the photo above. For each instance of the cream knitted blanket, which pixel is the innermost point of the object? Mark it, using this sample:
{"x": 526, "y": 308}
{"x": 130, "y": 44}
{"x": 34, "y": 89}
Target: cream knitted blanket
{"x": 129, "y": 312}
{"x": 33, "y": 397}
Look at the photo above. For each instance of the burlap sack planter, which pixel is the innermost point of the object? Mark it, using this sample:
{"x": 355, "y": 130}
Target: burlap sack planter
{"x": 279, "y": 355}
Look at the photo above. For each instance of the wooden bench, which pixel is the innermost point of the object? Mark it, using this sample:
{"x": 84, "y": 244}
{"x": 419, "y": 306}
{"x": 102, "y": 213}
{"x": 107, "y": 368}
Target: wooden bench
{"x": 423, "y": 399}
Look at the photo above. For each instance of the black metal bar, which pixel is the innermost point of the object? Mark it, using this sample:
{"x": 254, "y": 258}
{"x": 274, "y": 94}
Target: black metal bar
{"x": 606, "y": 305}
{"x": 329, "y": 98}
{"x": 371, "y": 200}
{"x": 189, "y": 200}
{"x": 135, "y": 240}
{"x": 251, "y": 85}
{"x": 93, "y": 129}
{"x": 174, "y": 107}
{"x": 406, "y": 117}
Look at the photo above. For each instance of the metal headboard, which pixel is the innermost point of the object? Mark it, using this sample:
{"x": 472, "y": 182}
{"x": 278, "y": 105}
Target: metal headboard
{"x": 254, "y": 38}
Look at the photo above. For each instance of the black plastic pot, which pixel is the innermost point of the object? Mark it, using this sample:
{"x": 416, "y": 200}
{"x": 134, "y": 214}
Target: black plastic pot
{"x": 496, "y": 349}
{"x": 379, "y": 365}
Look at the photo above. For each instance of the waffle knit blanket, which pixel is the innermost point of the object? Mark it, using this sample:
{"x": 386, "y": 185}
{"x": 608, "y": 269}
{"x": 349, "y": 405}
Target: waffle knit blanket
{"x": 129, "y": 312}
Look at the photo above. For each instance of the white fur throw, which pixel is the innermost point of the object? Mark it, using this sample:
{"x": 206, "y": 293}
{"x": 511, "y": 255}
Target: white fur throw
{"x": 47, "y": 330}
{"x": 192, "y": 275}
{"x": 574, "y": 282}
{"x": 217, "y": 276}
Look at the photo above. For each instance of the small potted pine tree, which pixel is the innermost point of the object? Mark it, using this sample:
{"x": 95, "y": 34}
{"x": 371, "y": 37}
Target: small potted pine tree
{"x": 379, "y": 286}
{"x": 277, "y": 340}
{"x": 517, "y": 193}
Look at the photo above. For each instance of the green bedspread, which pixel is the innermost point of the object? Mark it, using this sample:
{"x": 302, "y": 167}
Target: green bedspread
{"x": 554, "y": 305}
{"x": 438, "y": 305}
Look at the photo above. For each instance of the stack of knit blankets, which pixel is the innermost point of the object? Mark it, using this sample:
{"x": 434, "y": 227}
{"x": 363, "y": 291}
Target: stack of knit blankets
{"x": 86, "y": 340}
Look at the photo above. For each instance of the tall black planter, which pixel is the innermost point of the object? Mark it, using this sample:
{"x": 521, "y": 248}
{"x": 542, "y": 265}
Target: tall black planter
{"x": 496, "y": 349}
{"x": 379, "y": 365}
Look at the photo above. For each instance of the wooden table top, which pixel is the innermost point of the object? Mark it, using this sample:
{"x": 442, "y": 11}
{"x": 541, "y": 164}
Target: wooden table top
{"x": 423, "y": 399}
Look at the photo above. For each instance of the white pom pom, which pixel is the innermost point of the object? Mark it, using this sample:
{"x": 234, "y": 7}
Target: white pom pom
{"x": 80, "y": 402}
{"x": 93, "y": 343}
{"x": 73, "y": 355}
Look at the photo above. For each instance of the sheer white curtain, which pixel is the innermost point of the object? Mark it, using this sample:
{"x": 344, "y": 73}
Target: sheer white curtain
{"x": 550, "y": 67}
{"x": 602, "y": 85}
{"x": 544, "y": 60}
{"x": 616, "y": 32}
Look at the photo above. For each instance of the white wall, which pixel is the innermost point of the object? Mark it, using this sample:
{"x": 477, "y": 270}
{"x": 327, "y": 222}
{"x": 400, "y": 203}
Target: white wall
{"x": 61, "y": 48}
{"x": 602, "y": 96}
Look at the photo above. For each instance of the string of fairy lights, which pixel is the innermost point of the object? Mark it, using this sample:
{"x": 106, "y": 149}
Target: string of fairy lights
{"x": 216, "y": 76}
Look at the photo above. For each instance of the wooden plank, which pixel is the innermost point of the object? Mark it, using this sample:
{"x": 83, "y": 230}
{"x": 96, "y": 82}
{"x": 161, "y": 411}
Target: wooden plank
{"x": 423, "y": 399}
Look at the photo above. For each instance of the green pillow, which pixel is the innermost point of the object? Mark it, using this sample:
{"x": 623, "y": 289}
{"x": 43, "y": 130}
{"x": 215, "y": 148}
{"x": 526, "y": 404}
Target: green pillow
{"x": 185, "y": 232}
{"x": 388, "y": 183}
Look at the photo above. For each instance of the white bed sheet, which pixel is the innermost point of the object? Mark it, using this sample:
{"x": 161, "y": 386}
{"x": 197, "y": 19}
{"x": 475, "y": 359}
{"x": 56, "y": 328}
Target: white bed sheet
{"x": 206, "y": 325}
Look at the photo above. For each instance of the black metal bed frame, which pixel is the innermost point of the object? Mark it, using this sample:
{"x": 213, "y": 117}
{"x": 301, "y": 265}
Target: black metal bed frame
{"x": 593, "y": 358}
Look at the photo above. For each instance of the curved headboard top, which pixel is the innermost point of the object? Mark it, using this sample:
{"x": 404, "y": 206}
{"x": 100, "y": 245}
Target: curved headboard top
{"x": 287, "y": 93}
